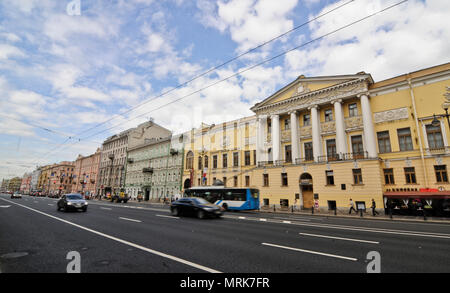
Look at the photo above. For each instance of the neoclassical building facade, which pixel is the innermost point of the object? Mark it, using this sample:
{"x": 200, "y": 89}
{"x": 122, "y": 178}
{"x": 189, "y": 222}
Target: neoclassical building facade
{"x": 320, "y": 141}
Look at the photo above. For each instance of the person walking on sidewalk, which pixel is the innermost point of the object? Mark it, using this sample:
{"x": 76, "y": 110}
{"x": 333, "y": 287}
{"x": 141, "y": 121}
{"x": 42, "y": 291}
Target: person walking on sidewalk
{"x": 373, "y": 208}
{"x": 352, "y": 207}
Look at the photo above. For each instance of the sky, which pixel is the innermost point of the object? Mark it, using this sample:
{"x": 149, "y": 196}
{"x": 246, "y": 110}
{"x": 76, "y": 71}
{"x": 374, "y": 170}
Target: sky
{"x": 74, "y": 72}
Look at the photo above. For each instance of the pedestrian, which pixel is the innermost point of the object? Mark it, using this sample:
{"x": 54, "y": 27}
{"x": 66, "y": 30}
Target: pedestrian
{"x": 352, "y": 207}
{"x": 374, "y": 207}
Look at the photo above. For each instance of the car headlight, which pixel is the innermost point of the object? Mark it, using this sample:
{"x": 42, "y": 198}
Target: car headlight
{"x": 69, "y": 203}
{"x": 86, "y": 203}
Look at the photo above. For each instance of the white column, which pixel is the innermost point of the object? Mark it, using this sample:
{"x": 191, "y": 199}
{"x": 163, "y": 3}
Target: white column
{"x": 260, "y": 138}
{"x": 276, "y": 137}
{"x": 369, "y": 132}
{"x": 295, "y": 141}
{"x": 341, "y": 141}
{"x": 316, "y": 140}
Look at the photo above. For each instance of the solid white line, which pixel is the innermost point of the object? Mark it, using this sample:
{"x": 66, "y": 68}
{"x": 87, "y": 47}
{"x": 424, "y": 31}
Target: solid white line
{"x": 377, "y": 230}
{"x": 171, "y": 217}
{"x": 241, "y": 217}
{"x": 263, "y": 220}
{"x": 311, "y": 252}
{"x": 340, "y": 238}
{"x": 50, "y": 204}
{"x": 174, "y": 258}
{"x": 132, "y": 220}
{"x": 287, "y": 222}
{"x": 109, "y": 209}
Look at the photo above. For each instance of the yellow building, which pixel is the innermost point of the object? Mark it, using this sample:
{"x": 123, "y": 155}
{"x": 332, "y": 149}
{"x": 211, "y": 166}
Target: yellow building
{"x": 354, "y": 139}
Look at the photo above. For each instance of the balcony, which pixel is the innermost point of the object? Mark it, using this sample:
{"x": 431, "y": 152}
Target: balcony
{"x": 173, "y": 152}
{"x": 438, "y": 150}
{"x": 264, "y": 163}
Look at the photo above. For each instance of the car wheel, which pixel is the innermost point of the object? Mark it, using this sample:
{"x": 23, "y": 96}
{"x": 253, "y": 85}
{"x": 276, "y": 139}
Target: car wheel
{"x": 174, "y": 212}
{"x": 200, "y": 214}
{"x": 84, "y": 209}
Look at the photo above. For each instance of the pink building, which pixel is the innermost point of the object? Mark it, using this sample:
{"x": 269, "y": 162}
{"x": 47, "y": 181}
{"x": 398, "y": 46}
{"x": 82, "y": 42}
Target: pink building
{"x": 25, "y": 186}
{"x": 85, "y": 174}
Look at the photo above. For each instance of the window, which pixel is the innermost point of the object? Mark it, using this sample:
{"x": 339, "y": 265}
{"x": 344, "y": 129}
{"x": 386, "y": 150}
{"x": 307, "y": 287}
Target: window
{"x": 265, "y": 180}
{"x": 352, "y": 110}
{"x": 224, "y": 161}
{"x": 247, "y": 181}
{"x": 388, "y": 176}
{"x": 330, "y": 177}
{"x": 328, "y": 115}
{"x": 384, "y": 143}
{"x": 331, "y": 150}
{"x": 284, "y": 179}
{"x": 236, "y": 159}
{"x": 190, "y": 160}
{"x": 287, "y": 124}
{"x": 357, "y": 147}
{"x": 441, "y": 173}
{"x": 269, "y": 126}
{"x": 254, "y": 157}
{"x": 200, "y": 163}
{"x": 434, "y": 137}
{"x": 247, "y": 158}
{"x": 357, "y": 176}
{"x": 206, "y": 161}
{"x": 404, "y": 139}
{"x": 309, "y": 156}
{"x": 215, "y": 161}
{"x": 410, "y": 175}
{"x": 288, "y": 153}
{"x": 306, "y": 120}
{"x": 235, "y": 181}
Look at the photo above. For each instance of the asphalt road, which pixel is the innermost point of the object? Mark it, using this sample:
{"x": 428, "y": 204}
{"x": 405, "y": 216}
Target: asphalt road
{"x": 109, "y": 237}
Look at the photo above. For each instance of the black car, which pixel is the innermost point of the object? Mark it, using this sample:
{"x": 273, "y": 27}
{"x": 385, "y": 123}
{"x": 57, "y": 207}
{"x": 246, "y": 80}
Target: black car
{"x": 195, "y": 206}
{"x": 72, "y": 201}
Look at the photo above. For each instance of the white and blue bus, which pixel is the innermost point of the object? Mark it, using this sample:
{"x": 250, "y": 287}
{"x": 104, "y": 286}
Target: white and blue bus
{"x": 238, "y": 199}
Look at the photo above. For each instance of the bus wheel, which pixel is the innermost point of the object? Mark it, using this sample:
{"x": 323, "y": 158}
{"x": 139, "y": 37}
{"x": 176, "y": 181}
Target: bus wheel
{"x": 225, "y": 207}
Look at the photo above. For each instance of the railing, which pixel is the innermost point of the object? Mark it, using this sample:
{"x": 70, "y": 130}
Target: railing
{"x": 299, "y": 161}
{"x": 439, "y": 150}
{"x": 264, "y": 163}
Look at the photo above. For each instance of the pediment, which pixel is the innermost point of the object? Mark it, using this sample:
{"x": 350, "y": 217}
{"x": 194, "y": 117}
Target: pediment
{"x": 309, "y": 85}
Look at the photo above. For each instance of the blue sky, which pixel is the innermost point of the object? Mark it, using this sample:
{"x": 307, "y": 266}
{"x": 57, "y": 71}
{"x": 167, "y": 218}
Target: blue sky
{"x": 68, "y": 73}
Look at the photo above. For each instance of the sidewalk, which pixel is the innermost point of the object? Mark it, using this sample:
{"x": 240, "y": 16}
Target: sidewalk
{"x": 366, "y": 215}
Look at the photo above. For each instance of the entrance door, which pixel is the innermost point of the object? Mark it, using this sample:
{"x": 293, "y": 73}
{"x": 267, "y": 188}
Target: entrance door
{"x": 147, "y": 194}
{"x": 306, "y": 188}
{"x": 308, "y": 196}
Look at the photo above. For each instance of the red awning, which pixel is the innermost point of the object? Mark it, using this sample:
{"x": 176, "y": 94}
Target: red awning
{"x": 417, "y": 194}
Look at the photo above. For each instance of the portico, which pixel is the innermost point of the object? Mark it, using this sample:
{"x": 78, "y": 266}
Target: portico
{"x": 321, "y": 124}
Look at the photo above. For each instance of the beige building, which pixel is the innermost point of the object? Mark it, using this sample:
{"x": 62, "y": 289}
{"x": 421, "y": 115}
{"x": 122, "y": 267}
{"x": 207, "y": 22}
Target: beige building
{"x": 320, "y": 141}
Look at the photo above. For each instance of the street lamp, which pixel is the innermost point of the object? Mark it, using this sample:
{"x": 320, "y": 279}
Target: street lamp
{"x": 445, "y": 106}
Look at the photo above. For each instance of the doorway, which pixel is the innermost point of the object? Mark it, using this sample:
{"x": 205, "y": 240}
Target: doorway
{"x": 306, "y": 190}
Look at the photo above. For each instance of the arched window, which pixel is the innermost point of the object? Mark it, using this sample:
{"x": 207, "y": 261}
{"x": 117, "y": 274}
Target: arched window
{"x": 190, "y": 160}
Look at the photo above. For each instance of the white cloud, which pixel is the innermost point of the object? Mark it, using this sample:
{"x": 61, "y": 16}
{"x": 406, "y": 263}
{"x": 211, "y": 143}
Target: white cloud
{"x": 8, "y": 51}
{"x": 250, "y": 22}
{"x": 406, "y": 38}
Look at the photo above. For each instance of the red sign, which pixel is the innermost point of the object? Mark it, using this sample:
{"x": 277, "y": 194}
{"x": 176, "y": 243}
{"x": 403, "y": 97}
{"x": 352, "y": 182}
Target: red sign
{"x": 428, "y": 190}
